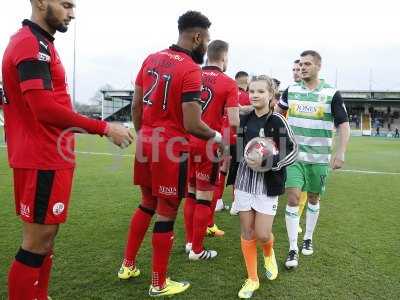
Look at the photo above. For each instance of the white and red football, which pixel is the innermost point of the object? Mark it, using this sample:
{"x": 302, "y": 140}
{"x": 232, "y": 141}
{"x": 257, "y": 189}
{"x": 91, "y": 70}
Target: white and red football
{"x": 257, "y": 151}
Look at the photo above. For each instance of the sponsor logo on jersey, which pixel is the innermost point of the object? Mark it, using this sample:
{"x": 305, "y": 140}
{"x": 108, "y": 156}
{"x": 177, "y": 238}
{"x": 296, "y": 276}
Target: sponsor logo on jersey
{"x": 43, "y": 57}
{"x": 173, "y": 56}
{"x": 307, "y": 110}
{"x": 211, "y": 73}
{"x": 303, "y": 108}
{"x": 167, "y": 190}
{"x": 58, "y": 208}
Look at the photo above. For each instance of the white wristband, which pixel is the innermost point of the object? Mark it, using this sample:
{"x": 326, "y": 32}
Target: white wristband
{"x": 217, "y": 137}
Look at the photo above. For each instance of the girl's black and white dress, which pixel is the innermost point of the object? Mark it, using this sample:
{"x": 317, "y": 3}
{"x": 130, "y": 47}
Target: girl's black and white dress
{"x": 260, "y": 190}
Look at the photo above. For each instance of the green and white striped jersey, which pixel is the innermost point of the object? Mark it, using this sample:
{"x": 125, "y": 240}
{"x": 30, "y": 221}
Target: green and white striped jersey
{"x": 312, "y": 120}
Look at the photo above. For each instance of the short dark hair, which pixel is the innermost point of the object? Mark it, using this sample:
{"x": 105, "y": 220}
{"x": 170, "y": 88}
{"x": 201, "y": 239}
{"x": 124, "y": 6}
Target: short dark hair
{"x": 277, "y": 82}
{"x": 312, "y": 53}
{"x": 241, "y": 74}
{"x": 296, "y": 61}
{"x": 192, "y": 19}
{"x": 216, "y": 49}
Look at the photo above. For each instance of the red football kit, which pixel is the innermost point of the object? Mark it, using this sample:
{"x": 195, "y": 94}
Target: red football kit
{"x": 38, "y": 119}
{"x": 244, "y": 100}
{"x": 219, "y": 92}
{"x": 168, "y": 78}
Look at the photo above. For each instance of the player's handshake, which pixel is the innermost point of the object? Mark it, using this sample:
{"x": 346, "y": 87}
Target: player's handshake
{"x": 119, "y": 135}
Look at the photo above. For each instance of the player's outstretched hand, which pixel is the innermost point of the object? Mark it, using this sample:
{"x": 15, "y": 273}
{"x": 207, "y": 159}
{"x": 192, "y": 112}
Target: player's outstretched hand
{"x": 119, "y": 135}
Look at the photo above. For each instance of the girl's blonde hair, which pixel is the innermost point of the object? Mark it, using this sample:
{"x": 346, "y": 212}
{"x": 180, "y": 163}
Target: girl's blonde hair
{"x": 271, "y": 86}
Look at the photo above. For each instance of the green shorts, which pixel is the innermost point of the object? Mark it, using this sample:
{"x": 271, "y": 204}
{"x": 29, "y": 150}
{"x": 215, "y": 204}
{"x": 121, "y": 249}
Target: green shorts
{"x": 307, "y": 177}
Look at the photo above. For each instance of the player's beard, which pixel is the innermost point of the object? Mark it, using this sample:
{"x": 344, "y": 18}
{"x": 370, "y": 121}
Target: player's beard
{"x": 198, "y": 55}
{"x": 53, "y": 22}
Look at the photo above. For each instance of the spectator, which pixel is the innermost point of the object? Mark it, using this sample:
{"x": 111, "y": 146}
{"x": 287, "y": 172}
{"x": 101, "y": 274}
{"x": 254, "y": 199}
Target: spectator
{"x": 357, "y": 122}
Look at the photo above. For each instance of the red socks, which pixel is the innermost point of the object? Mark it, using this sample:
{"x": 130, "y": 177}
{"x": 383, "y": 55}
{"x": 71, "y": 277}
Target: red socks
{"x": 44, "y": 277}
{"x": 212, "y": 208}
{"x": 218, "y": 192}
{"x": 24, "y": 275}
{"x": 201, "y": 218}
{"x": 163, "y": 239}
{"x": 139, "y": 224}
{"x": 188, "y": 212}
{"x": 219, "y": 189}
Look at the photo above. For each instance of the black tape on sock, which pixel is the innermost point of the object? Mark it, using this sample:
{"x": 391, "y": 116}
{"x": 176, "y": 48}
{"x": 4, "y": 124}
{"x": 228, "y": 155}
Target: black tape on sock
{"x": 163, "y": 227}
{"x": 29, "y": 259}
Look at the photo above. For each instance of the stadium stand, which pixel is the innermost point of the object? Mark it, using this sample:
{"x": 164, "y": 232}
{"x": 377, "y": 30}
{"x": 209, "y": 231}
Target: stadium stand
{"x": 116, "y": 105}
{"x": 367, "y": 110}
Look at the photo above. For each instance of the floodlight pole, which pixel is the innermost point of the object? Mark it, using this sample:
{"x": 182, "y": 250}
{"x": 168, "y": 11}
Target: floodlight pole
{"x": 336, "y": 78}
{"x": 370, "y": 79}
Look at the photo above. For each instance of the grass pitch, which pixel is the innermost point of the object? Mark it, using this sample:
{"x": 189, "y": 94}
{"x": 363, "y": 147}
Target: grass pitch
{"x": 356, "y": 242}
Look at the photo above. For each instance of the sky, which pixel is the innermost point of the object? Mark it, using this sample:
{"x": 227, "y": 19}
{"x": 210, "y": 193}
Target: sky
{"x": 358, "y": 40}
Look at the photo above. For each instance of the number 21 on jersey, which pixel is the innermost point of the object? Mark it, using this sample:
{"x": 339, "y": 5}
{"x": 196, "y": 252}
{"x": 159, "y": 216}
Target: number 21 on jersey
{"x": 160, "y": 86}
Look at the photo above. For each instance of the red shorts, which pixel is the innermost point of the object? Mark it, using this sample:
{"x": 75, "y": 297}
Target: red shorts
{"x": 42, "y": 196}
{"x": 166, "y": 207}
{"x": 162, "y": 167}
{"x": 203, "y": 168}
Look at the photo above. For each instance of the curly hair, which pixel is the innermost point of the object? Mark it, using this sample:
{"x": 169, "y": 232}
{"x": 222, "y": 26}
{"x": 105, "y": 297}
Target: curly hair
{"x": 192, "y": 19}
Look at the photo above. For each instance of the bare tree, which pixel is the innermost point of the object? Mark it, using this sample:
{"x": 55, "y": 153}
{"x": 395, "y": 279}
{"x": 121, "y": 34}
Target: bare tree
{"x": 98, "y": 96}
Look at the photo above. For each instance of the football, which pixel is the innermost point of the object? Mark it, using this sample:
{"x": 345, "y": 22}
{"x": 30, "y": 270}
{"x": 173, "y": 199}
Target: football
{"x": 260, "y": 150}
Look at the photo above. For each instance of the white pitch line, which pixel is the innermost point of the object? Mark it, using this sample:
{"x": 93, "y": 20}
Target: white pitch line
{"x": 127, "y": 155}
{"x": 93, "y": 153}
{"x": 368, "y": 172}
{"x": 103, "y": 153}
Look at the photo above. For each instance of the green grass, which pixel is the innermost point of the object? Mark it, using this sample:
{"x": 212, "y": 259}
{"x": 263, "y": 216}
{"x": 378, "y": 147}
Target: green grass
{"x": 356, "y": 242}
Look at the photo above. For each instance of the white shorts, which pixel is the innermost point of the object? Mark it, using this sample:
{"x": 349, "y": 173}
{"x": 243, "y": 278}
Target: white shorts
{"x": 260, "y": 203}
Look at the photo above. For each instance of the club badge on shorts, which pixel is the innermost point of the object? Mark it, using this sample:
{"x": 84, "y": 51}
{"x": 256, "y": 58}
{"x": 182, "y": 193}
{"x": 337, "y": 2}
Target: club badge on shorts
{"x": 58, "y": 208}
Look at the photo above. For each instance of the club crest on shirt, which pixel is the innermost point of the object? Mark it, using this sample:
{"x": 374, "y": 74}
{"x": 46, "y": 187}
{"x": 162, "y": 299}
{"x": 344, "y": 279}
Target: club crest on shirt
{"x": 322, "y": 98}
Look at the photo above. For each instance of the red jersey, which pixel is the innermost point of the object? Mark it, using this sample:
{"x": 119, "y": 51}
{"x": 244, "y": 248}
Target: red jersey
{"x": 168, "y": 78}
{"x": 31, "y": 62}
{"x": 219, "y": 92}
{"x": 244, "y": 98}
